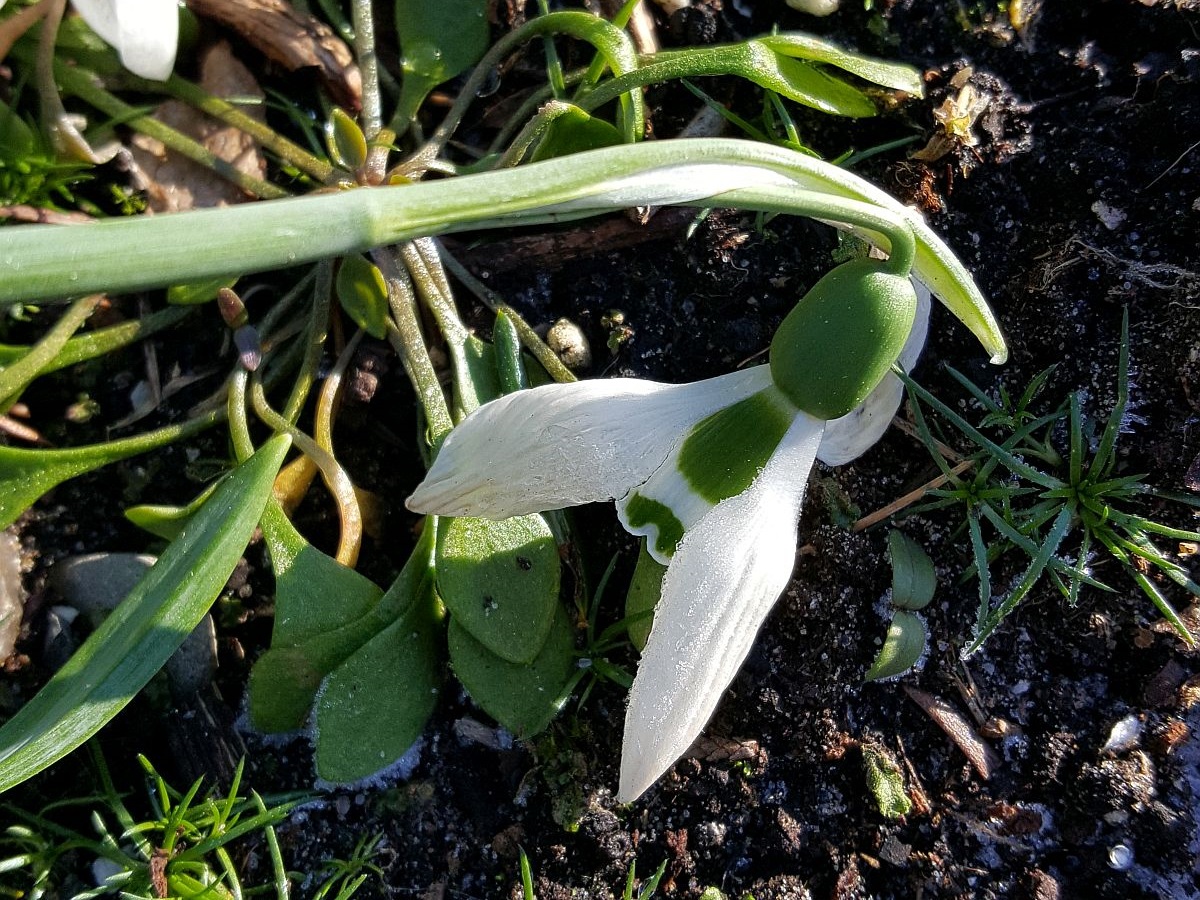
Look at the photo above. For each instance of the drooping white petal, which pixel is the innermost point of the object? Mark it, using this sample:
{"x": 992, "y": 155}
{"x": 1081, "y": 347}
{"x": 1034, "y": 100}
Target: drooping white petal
{"x": 722, "y": 582}
{"x": 145, "y": 33}
{"x": 852, "y": 435}
{"x": 566, "y": 444}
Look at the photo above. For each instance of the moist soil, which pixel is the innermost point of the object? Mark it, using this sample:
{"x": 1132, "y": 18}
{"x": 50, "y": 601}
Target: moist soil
{"x": 1078, "y": 203}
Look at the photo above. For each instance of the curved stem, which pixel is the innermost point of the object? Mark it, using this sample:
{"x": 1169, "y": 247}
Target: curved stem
{"x": 332, "y": 473}
{"x": 368, "y": 65}
{"x": 613, "y": 44}
{"x": 126, "y": 254}
{"x": 235, "y": 409}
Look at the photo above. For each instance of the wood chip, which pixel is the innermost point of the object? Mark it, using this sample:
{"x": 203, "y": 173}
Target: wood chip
{"x": 982, "y": 758}
{"x": 292, "y": 39}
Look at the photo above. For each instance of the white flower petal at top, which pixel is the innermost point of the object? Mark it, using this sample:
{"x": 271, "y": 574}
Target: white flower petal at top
{"x": 725, "y": 576}
{"x": 565, "y": 444}
{"x": 145, "y": 33}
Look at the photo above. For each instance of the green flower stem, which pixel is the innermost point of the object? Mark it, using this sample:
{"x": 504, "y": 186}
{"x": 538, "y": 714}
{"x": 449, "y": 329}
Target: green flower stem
{"x": 530, "y": 339}
{"x": 86, "y": 87}
{"x": 16, "y": 377}
{"x": 230, "y": 114}
{"x": 896, "y": 237}
{"x": 314, "y": 338}
{"x": 368, "y": 66}
{"x": 130, "y": 254}
{"x": 235, "y": 409}
{"x": 332, "y": 473}
{"x": 612, "y": 43}
{"x": 434, "y": 292}
{"x": 404, "y": 334}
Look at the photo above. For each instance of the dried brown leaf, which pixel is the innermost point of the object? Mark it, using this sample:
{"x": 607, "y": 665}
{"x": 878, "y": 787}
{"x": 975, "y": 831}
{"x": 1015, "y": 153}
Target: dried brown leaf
{"x": 175, "y": 183}
{"x": 958, "y": 729}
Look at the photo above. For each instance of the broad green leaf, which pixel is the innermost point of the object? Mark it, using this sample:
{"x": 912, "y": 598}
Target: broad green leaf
{"x": 142, "y": 633}
{"x": 913, "y": 577}
{"x": 645, "y": 589}
{"x": 285, "y": 679}
{"x": 345, "y": 141}
{"x": 373, "y": 707}
{"x": 363, "y": 294}
{"x": 500, "y": 581}
{"x": 314, "y": 593}
{"x": 885, "y": 781}
{"x": 903, "y": 646}
{"x": 437, "y": 41}
{"x": 897, "y": 76}
{"x": 808, "y": 85}
{"x": 324, "y": 612}
{"x": 522, "y": 698}
{"x": 574, "y": 132}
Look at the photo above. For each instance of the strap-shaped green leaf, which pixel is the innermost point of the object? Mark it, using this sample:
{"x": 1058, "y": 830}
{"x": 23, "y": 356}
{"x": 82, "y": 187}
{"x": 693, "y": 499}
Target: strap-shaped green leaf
{"x": 142, "y": 633}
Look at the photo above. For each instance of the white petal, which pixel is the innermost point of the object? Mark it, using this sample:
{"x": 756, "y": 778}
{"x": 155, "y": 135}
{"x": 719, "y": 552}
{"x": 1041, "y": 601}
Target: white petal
{"x": 723, "y": 580}
{"x": 852, "y": 435}
{"x": 145, "y": 33}
{"x": 565, "y": 444}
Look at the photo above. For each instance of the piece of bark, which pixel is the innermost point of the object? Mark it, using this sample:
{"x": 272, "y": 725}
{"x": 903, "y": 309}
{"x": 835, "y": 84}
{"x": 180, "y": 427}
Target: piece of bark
{"x": 292, "y": 39}
{"x": 554, "y": 249}
{"x": 174, "y": 183}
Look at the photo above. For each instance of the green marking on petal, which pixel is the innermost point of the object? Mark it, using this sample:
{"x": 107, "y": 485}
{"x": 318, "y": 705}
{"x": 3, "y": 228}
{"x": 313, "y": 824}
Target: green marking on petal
{"x": 642, "y": 511}
{"x": 724, "y": 453}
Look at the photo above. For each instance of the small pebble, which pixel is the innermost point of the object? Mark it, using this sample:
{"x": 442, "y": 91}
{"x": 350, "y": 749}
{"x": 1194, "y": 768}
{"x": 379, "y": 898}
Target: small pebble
{"x": 570, "y": 344}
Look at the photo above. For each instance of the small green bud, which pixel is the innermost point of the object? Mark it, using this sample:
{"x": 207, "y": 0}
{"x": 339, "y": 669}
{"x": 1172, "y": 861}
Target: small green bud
{"x": 842, "y": 337}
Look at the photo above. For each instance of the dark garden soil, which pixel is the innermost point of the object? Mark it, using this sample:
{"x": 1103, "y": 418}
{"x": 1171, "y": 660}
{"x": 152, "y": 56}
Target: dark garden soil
{"x": 1081, "y": 200}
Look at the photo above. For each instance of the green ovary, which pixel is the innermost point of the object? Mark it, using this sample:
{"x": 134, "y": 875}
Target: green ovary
{"x": 724, "y": 453}
{"x": 842, "y": 338}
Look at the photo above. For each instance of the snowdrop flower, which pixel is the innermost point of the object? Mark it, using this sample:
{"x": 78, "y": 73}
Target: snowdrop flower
{"x": 143, "y": 32}
{"x": 711, "y": 473}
